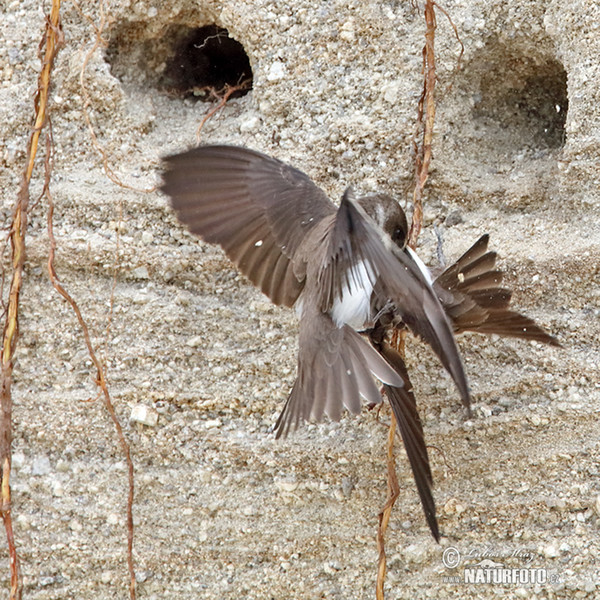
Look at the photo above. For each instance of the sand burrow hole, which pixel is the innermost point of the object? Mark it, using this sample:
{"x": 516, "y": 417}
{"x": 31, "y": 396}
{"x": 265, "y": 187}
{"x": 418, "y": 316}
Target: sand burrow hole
{"x": 518, "y": 101}
{"x": 182, "y": 61}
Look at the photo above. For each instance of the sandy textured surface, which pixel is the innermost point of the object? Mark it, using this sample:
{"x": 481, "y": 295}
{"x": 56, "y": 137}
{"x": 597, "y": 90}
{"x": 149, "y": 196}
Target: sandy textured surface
{"x": 222, "y": 510}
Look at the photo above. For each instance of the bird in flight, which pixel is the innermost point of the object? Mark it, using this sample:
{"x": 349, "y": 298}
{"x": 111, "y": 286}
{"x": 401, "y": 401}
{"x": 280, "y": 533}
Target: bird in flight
{"x": 351, "y": 278}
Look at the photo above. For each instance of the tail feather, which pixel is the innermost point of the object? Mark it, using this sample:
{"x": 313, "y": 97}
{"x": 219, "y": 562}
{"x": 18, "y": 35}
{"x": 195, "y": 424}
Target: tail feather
{"x": 404, "y": 406}
{"x": 472, "y": 299}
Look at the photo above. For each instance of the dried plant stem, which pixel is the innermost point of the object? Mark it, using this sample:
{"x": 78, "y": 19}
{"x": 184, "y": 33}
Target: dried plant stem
{"x": 426, "y": 108}
{"x": 52, "y": 40}
{"x": 223, "y": 97}
{"x": 393, "y": 490}
{"x": 102, "y": 384}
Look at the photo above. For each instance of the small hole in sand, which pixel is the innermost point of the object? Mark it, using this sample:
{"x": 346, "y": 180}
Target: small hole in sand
{"x": 188, "y": 62}
{"x": 207, "y": 60}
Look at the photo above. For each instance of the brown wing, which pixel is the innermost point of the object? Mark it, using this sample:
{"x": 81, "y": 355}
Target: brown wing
{"x": 470, "y": 293}
{"x": 335, "y": 367}
{"x": 256, "y": 208}
{"x": 335, "y": 363}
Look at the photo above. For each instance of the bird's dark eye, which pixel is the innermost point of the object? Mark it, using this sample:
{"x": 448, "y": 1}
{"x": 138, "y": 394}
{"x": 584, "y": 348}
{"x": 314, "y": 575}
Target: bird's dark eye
{"x": 399, "y": 237}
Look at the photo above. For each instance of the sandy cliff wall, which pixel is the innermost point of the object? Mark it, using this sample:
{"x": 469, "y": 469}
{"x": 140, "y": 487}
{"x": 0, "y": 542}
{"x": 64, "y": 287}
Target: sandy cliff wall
{"x": 222, "y": 510}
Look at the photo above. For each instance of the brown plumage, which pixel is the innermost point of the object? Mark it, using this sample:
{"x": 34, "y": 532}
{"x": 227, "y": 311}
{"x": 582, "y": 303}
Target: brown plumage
{"x": 346, "y": 270}
{"x": 294, "y": 244}
{"x": 470, "y": 293}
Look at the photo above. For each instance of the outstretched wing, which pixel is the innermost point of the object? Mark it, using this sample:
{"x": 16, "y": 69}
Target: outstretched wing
{"x": 472, "y": 297}
{"x": 257, "y": 208}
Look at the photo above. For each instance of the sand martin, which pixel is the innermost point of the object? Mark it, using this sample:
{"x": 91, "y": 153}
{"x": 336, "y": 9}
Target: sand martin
{"x": 352, "y": 280}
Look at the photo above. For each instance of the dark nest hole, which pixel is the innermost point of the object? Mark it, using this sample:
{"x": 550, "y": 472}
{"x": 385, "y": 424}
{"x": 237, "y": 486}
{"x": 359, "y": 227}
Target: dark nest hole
{"x": 207, "y": 61}
{"x": 527, "y": 99}
{"x": 202, "y": 62}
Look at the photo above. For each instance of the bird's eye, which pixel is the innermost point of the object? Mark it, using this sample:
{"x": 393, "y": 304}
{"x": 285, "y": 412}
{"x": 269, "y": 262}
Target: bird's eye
{"x": 399, "y": 237}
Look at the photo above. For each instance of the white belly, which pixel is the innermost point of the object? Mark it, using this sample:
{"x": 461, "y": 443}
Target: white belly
{"x": 354, "y": 306}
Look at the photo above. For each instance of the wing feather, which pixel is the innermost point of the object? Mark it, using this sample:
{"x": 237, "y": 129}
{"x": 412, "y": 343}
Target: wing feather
{"x": 236, "y": 197}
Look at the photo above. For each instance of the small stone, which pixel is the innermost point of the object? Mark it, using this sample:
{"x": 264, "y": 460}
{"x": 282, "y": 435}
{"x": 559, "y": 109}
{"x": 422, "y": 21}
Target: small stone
{"x": 391, "y": 91}
{"x": 40, "y": 465}
{"x": 597, "y": 505}
{"x": 338, "y": 494}
{"x": 250, "y": 124}
{"x": 454, "y": 507}
{"x": 485, "y": 411}
{"x": 204, "y": 475}
{"x": 347, "y": 31}
{"x": 505, "y": 401}
{"x": 18, "y": 460}
{"x": 195, "y": 341}
{"x": 347, "y": 487}
{"x": 112, "y": 518}
{"x": 142, "y": 576}
{"x": 212, "y": 424}
{"x": 556, "y": 503}
{"x": 57, "y": 489}
{"x": 550, "y": 551}
{"x": 63, "y": 466}
{"x": 429, "y": 216}
{"x": 143, "y": 414}
{"x": 106, "y": 577}
{"x": 140, "y": 297}
{"x": 286, "y": 485}
{"x": 276, "y": 71}
{"x": 454, "y": 218}
{"x": 75, "y": 525}
{"x": 535, "y": 420}
{"x": 147, "y": 237}
{"x": 331, "y": 567}
{"x": 141, "y": 272}
{"x": 23, "y": 522}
